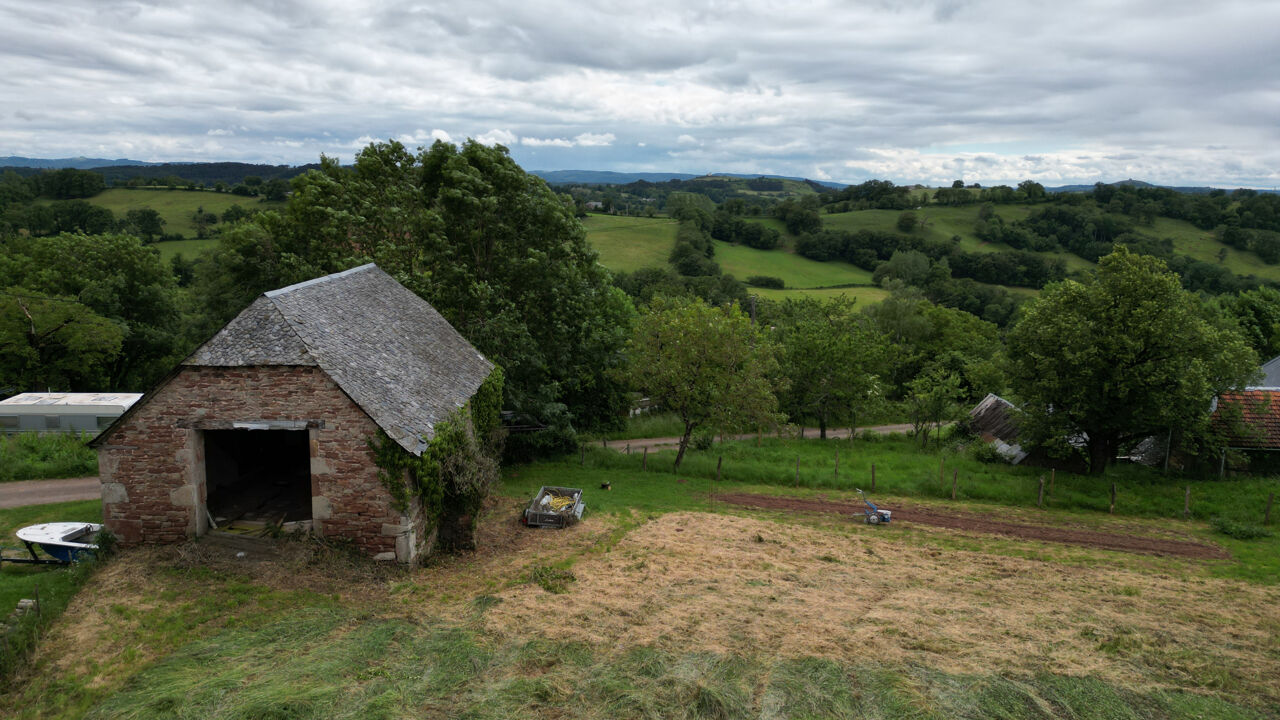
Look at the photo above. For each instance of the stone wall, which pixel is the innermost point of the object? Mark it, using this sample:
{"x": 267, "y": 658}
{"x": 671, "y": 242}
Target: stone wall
{"x": 152, "y": 465}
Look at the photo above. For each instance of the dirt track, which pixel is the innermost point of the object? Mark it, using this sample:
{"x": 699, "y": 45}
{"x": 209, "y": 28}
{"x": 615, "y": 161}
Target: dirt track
{"x": 959, "y": 521}
{"x": 40, "y": 492}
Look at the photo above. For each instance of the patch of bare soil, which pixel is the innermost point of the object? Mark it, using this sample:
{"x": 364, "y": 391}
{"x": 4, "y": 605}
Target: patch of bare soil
{"x": 982, "y": 524}
{"x": 693, "y": 582}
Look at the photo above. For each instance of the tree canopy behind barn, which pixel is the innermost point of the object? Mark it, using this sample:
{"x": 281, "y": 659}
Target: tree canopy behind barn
{"x": 500, "y": 255}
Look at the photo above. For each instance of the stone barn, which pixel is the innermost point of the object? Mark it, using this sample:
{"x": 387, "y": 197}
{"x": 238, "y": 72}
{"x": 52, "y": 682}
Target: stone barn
{"x": 271, "y": 419}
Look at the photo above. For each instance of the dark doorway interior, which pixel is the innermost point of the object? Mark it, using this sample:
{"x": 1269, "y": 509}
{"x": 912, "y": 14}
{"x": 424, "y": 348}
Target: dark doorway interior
{"x": 257, "y": 475}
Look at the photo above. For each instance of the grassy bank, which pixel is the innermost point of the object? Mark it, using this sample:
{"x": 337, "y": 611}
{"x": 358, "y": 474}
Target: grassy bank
{"x": 904, "y": 470}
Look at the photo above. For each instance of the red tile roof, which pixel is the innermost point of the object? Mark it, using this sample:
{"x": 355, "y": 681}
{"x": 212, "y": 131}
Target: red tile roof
{"x": 1259, "y": 416}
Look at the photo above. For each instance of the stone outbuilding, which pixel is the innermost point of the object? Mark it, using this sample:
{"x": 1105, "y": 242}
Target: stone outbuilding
{"x": 271, "y": 420}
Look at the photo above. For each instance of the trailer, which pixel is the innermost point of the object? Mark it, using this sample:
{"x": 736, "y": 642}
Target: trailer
{"x": 554, "y": 507}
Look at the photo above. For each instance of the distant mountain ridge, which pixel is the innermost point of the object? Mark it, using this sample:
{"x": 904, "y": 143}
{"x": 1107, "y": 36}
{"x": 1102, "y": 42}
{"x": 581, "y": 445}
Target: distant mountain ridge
{"x": 79, "y": 163}
{"x": 1190, "y": 190}
{"x": 609, "y": 177}
{"x": 122, "y": 168}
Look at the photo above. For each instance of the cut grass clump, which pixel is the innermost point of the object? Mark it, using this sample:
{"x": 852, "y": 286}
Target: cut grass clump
{"x": 1238, "y": 530}
{"x": 553, "y": 580}
{"x": 35, "y": 456}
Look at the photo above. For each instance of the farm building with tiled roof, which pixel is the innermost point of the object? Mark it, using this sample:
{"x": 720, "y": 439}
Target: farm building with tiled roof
{"x": 270, "y": 421}
{"x": 1249, "y": 419}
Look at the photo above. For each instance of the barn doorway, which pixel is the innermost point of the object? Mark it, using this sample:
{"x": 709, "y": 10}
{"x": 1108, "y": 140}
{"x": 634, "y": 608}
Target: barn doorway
{"x": 257, "y": 477}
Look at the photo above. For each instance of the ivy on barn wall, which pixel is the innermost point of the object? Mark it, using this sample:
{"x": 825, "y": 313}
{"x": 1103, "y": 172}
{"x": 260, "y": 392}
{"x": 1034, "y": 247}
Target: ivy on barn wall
{"x": 458, "y": 464}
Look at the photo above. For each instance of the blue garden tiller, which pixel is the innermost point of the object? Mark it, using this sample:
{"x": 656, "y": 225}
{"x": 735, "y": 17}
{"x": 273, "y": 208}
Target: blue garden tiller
{"x": 874, "y": 515}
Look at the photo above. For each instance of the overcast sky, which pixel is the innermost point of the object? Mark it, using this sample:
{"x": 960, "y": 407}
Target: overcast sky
{"x": 1167, "y": 91}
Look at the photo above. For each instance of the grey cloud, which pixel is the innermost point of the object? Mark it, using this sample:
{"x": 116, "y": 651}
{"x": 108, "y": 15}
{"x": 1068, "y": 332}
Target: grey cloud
{"x": 1176, "y": 88}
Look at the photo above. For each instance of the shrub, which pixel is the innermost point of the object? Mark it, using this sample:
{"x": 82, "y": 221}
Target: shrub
{"x": 1237, "y": 530}
{"x": 35, "y": 456}
{"x": 765, "y": 281}
{"x": 702, "y": 440}
{"x": 986, "y": 452}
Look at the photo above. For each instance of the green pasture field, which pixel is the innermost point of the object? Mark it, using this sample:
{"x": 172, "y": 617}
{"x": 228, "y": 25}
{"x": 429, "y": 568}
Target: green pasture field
{"x": 188, "y": 249}
{"x": 1201, "y": 245}
{"x": 863, "y": 295}
{"x": 796, "y": 272}
{"x": 175, "y": 206}
{"x": 627, "y": 244}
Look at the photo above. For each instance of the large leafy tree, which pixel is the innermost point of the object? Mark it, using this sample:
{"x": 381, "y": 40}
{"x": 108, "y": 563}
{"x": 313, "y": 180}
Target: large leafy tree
{"x": 922, "y": 335}
{"x": 500, "y": 255}
{"x": 1257, "y": 311}
{"x": 54, "y": 343}
{"x": 113, "y": 277}
{"x": 832, "y": 356}
{"x": 709, "y": 365}
{"x": 1122, "y": 355}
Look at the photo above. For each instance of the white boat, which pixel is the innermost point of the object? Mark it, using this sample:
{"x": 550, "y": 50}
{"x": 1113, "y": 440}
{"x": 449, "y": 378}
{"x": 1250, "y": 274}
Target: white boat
{"x": 63, "y": 540}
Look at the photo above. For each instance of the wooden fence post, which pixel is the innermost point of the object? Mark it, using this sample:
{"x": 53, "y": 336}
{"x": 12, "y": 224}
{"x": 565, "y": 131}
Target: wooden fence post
{"x": 719, "y": 460}
{"x": 1113, "y": 499}
{"x": 873, "y": 477}
{"x": 955, "y": 480}
{"x": 1186, "y": 504}
{"x": 604, "y": 443}
{"x": 644, "y": 461}
{"x": 628, "y": 448}
{"x": 1040, "y": 499}
{"x": 1266, "y": 517}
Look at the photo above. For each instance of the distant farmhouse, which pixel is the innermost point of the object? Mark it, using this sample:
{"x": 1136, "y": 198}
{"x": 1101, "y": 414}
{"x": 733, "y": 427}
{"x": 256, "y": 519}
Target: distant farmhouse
{"x": 272, "y": 418}
{"x": 1249, "y": 419}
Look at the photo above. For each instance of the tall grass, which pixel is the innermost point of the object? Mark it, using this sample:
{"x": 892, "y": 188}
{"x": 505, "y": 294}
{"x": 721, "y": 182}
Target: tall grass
{"x": 32, "y": 456}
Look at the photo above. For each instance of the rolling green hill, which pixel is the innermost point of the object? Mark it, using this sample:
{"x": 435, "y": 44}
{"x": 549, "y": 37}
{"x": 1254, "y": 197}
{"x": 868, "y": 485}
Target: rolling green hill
{"x": 627, "y": 244}
{"x": 797, "y": 272}
{"x": 943, "y": 223}
{"x": 175, "y": 206}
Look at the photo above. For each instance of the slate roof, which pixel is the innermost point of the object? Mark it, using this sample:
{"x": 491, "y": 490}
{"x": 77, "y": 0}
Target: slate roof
{"x": 1259, "y": 414}
{"x": 995, "y": 421}
{"x": 388, "y": 349}
{"x": 993, "y": 418}
{"x": 1270, "y": 373}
